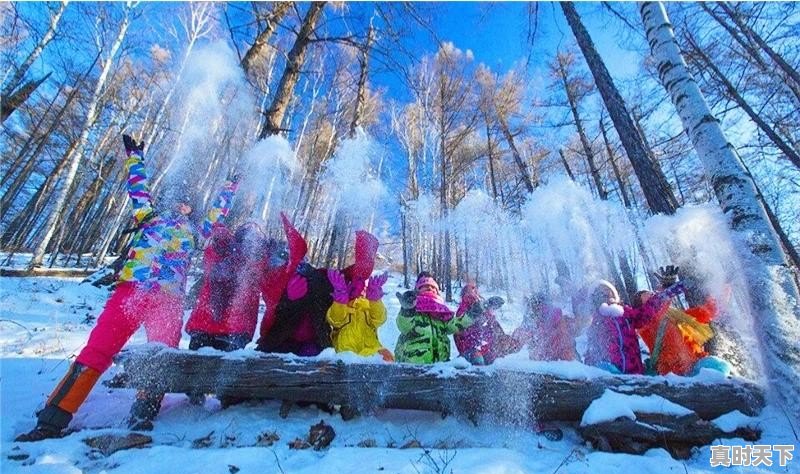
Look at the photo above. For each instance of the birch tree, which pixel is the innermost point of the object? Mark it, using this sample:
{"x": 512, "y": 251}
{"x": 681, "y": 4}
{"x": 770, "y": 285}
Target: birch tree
{"x": 773, "y": 291}
{"x": 75, "y": 157}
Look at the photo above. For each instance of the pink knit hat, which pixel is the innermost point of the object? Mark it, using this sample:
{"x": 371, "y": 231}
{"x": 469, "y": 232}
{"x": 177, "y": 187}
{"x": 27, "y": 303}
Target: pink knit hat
{"x": 426, "y": 280}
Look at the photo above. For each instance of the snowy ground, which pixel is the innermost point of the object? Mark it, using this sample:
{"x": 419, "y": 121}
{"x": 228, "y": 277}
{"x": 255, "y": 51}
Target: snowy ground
{"x": 45, "y": 321}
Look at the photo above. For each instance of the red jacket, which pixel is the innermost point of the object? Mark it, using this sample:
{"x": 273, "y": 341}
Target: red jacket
{"x": 241, "y": 314}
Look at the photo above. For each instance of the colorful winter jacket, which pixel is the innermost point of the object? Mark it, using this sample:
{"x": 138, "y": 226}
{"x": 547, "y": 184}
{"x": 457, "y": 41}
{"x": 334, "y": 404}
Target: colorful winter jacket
{"x": 676, "y": 338}
{"x": 355, "y": 326}
{"x": 423, "y": 339}
{"x": 241, "y": 314}
{"x": 613, "y": 339}
{"x": 549, "y": 335}
{"x": 484, "y": 340}
{"x": 160, "y": 255}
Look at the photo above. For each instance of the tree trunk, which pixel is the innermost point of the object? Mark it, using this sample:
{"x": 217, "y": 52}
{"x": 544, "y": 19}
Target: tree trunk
{"x": 566, "y": 165}
{"x": 15, "y": 80}
{"x": 9, "y": 104}
{"x": 587, "y": 147}
{"x": 773, "y": 291}
{"x": 656, "y": 188}
{"x": 361, "y": 94}
{"x": 490, "y": 157}
{"x": 75, "y": 158}
{"x": 523, "y": 170}
{"x": 791, "y": 73}
{"x": 283, "y": 94}
{"x": 612, "y": 159}
{"x": 279, "y": 10}
{"x": 467, "y": 392}
{"x": 784, "y": 147}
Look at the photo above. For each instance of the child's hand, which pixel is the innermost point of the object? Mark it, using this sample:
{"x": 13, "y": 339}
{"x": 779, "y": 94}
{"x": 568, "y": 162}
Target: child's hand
{"x": 408, "y": 299}
{"x": 668, "y": 275}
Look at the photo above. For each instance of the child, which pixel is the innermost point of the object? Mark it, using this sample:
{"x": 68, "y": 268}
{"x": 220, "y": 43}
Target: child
{"x": 548, "y": 333}
{"x": 356, "y": 314}
{"x": 483, "y": 341}
{"x": 234, "y": 264}
{"x": 299, "y": 325}
{"x": 149, "y": 293}
{"x": 425, "y": 322}
{"x": 676, "y": 338}
{"x": 612, "y": 341}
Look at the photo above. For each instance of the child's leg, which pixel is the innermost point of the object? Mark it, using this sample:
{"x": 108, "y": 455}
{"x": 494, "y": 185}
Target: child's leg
{"x": 114, "y": 327}
{"x": 162, "y": 323}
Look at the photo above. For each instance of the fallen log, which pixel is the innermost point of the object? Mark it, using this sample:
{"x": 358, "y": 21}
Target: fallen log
{"x": 47, "y": 272}
{"x": 677, "y": 434}
{"x": 502, "y": 395}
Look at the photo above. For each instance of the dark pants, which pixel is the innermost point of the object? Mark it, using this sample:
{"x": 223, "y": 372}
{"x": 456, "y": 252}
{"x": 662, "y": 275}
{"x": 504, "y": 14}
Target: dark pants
{"x": 220, "y": 342}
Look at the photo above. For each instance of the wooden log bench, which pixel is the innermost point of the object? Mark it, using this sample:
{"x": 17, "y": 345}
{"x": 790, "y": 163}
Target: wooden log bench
{"x": 499, "y": 395}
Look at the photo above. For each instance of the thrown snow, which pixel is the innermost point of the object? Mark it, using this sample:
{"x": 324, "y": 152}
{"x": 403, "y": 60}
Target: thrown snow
{"x": 612, "y": 405}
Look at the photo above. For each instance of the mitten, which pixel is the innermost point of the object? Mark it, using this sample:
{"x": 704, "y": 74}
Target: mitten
{"x": 375, "y": 286}
{"x": 495, "y": 302}
{"x": 408, "y": 299}
{"x": 668, "y": 275}
{"x": 131, "y": 145}
{"x": 340, "y": 294}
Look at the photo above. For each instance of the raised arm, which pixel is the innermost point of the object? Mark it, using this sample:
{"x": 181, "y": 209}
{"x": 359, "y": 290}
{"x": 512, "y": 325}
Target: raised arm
{"x": 137, "y": 180}
{"x": 220, "y": 208}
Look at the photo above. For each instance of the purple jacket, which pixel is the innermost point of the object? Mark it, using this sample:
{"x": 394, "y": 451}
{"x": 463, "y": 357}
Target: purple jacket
{"x": 613, "y": 340}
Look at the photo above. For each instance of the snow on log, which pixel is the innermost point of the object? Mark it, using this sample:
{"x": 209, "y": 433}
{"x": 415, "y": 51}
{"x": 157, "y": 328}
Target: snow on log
{"x": 634, "y": 424}
{"x": 513, "y": 396}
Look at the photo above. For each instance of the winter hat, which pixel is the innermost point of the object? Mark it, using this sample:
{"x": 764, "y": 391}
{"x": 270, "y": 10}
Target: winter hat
{"x": 600, "y": 291}
{"x": 366, "y": 249}
{"x": 297, "y": 244}
{"x": 427, "y": 280}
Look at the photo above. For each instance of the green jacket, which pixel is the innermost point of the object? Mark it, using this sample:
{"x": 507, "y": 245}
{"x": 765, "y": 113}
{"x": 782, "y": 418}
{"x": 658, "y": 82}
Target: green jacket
{"x": 424, "y": 340}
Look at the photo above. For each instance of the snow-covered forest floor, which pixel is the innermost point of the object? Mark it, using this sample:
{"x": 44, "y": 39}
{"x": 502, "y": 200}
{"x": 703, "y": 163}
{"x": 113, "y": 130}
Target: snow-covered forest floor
{"x": 46, "y": 321}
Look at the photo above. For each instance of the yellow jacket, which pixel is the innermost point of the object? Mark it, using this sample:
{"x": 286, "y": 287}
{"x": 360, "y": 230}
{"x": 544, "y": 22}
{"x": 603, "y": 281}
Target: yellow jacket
{"x": 355, "y": 326}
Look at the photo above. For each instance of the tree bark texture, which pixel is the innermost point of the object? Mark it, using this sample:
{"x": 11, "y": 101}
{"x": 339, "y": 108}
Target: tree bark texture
{"x": 255, "y": 51}
{"x": 502, "y": 395}
{"x": 656, "y": 188}
{"x": 773, "y": 291}
{"x": 291, "y": 73}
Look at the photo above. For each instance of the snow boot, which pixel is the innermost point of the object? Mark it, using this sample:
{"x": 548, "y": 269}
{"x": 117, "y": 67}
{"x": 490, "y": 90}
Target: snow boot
{"x": 65, "y": 400}
{"x": 144, "y": 410}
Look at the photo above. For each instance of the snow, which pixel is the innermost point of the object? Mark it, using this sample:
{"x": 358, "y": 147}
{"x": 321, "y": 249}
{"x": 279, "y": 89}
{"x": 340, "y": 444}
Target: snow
{"x": 43, "y": 327}
{"x": 612, "y": 405}
{"x": 731, "y": 421}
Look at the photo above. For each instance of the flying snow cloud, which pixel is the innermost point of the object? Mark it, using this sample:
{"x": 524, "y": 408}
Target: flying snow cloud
{"x": 214, "y": 102}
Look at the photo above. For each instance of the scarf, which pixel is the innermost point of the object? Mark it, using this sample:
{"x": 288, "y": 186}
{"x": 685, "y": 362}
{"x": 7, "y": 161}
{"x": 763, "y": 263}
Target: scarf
{"x": 433, "y": 304}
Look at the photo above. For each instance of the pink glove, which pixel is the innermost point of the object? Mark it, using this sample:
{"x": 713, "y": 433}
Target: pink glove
{"x": 297, "y": 287}
{"x": 340, "y": 293}
{"x": 375, "y": 286}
